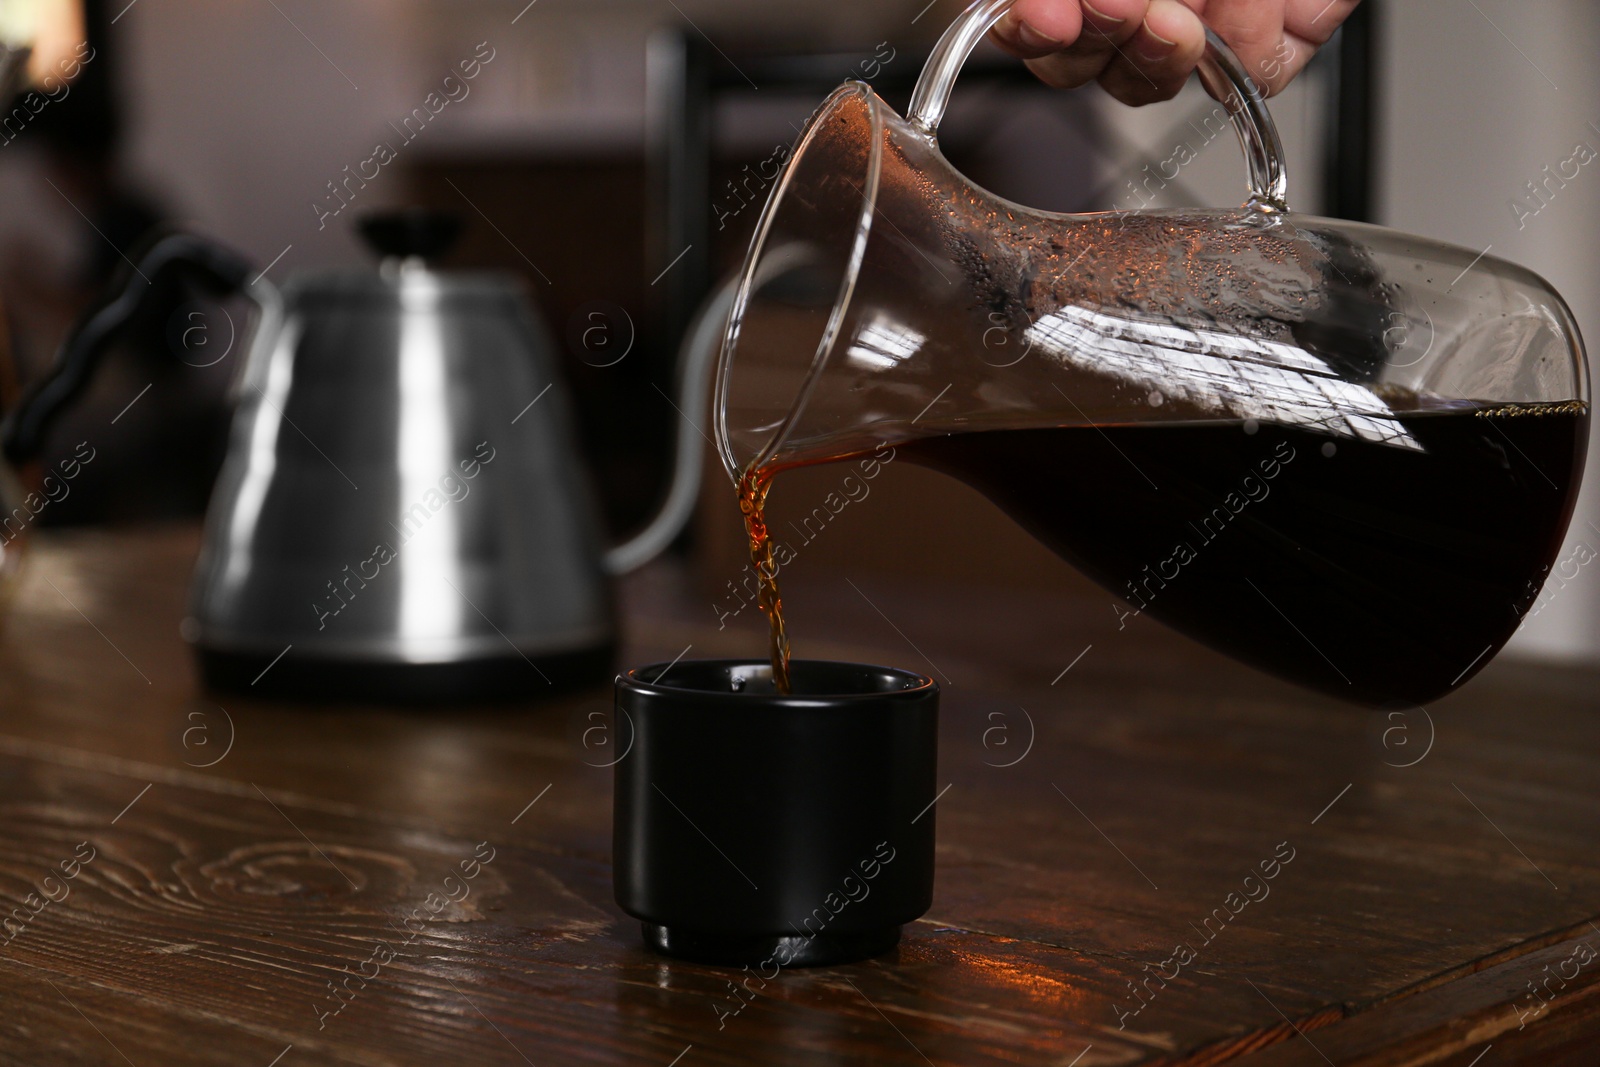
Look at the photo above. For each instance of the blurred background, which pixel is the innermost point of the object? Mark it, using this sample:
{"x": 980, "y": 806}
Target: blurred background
{"x": 616, "y": 153}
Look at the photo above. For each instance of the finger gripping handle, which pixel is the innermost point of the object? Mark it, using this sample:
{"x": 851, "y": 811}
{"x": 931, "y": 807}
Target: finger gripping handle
{"x": 1219, "y": 71}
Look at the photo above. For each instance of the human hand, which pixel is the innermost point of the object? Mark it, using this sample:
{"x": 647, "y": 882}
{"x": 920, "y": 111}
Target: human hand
{"x": 1142, "y": 51}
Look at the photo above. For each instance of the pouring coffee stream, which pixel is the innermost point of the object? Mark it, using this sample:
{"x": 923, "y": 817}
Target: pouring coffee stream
{"x": 1342, "y": 454}
{"x": 753, "y": 488}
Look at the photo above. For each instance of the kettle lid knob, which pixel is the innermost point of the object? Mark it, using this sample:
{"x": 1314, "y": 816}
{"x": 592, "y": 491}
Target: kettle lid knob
{"x": 423, "y": 233}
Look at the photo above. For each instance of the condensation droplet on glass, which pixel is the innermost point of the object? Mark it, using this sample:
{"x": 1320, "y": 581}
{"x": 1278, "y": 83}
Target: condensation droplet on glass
{"x": 1251, "y": 426}
{"x": 1329, "y": 449}
{"x": 1156, "y": 399}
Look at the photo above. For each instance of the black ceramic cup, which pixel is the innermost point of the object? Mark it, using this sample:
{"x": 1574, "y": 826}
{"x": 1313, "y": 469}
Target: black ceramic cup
{"x": 752, "y": 828}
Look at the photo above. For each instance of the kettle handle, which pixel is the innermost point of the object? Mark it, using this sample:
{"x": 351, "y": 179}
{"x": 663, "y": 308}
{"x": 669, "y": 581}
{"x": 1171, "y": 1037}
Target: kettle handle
{"x": 214, "y": 267}
{"x": 1220, "y": 72}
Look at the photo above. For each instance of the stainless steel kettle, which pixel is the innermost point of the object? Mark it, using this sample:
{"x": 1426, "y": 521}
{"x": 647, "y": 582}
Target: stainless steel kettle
{"x": 403, "y": 513}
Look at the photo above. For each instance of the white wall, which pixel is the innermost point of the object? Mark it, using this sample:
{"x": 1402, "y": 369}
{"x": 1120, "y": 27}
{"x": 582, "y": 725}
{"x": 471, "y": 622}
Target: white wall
{"x": 239, "y": 120}
{"x": 244, "y": 119}
{"x": 1468, "y": 120}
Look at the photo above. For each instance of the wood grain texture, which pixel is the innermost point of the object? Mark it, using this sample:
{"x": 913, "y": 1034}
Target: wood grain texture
{"x": 1156, "y": 780}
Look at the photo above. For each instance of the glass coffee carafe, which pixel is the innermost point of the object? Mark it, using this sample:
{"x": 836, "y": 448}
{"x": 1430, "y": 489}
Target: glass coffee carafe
{"x": 1339, "y": 453}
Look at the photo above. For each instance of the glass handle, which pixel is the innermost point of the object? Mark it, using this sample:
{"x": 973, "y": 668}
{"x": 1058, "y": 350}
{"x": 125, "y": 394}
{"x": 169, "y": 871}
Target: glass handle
{"x": 1219, "y": 71}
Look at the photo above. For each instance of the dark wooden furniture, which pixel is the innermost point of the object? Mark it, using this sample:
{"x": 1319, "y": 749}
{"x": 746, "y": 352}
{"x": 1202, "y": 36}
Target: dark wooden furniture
{"x": 227, "y": 912}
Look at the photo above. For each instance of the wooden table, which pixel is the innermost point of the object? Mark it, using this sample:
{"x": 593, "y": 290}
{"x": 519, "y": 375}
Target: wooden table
{"x": 254, "y": 911}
